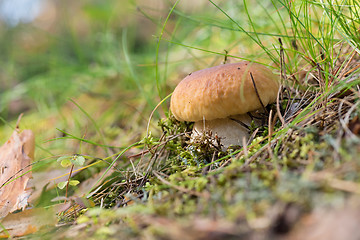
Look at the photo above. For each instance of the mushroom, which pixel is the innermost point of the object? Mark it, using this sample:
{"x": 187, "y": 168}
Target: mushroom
{"x": 223, "y": 99}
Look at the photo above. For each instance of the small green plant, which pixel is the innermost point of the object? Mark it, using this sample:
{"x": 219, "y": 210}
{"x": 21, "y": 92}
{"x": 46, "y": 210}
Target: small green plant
{"x": 67, "y": 161}
{"x": 76, "y": 160}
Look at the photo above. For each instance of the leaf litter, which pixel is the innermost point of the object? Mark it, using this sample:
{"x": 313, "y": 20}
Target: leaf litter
{"x": 15, "y": 164}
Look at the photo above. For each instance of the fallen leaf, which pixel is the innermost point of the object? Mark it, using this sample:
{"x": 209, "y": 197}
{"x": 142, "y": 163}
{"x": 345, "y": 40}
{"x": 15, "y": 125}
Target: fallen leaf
{"x": 336, "y": 223}
{"x": 354, "y": 125}
{"x": 26, "y": 222}
{"x": 15, "y": 158}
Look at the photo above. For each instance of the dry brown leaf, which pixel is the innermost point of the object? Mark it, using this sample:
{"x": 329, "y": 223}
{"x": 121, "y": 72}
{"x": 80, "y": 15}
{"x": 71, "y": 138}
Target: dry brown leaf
{"x": 354, "y": 125}
{"x": 335, "y": 223}
{"x": 15, "y": 158}
{"x": 26, "y": 222}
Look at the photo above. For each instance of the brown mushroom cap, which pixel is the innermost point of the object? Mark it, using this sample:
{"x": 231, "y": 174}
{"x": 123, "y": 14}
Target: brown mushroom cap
{"x": 222, "y": 91}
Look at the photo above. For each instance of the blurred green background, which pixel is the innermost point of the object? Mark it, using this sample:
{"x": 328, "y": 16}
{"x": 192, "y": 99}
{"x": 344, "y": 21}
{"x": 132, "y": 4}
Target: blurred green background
{"x": 116, "y": 59}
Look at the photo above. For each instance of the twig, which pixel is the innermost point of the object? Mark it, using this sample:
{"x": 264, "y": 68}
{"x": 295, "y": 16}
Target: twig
{"x": 18, "y": 121}
{"x": 68, "y": 181}
{"x": 240, "y": 122}
{"x": 257, "y": 93}
{"x": 278, "y": 108}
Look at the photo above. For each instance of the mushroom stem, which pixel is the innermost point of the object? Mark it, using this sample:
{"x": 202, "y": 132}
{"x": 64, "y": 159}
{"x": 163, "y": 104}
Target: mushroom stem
{"x": 233, "y": 130}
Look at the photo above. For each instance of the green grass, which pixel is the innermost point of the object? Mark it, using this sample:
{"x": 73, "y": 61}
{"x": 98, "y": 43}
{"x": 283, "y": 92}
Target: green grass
{"x": 105, "y": 95}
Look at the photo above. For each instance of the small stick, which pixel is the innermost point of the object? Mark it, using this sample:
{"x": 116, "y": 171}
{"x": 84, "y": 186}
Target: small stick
{"x": 18, "y": 121}
{"x": 278, "y": 108}
{"x": 257, "y": 94}
{"x": 67, "y": 185}
{"x": 225, "y": 56}
{"x": 240, "y": 122}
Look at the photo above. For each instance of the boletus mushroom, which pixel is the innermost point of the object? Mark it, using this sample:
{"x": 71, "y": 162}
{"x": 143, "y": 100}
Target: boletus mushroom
{"x": 223, "y": 99}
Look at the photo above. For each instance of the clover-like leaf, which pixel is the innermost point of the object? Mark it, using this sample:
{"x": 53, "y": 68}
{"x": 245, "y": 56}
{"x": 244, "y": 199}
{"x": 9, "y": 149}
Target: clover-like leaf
{"x": 74, "y": 182}
{"x": 65, "y": 161}
{"x": 78, "y": 160}
{"x": 61, "y": 185}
